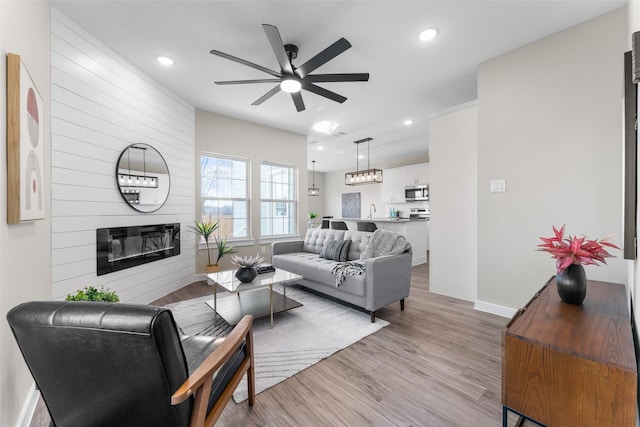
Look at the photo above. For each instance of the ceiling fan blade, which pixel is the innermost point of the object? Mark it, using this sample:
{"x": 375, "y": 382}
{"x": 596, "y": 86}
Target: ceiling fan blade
{"x": 243, "y": 62}
{"x": 348, "y": 77}
{"x": 240, "y": 82}
{"x": 278, "y": 47}
{"x": 323, "y": 57}
{"x": 323, "y": 92}
{"x": 267, "y": 95}
{"x": 297, "y": 99}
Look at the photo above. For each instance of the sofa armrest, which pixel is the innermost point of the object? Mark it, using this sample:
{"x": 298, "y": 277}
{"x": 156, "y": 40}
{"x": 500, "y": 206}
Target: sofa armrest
{"x": 287, "y": 247}
{"x": 388, "y": 279}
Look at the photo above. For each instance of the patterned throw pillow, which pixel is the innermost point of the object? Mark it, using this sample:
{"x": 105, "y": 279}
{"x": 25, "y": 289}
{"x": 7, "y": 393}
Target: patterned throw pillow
{"x": 336, "y": 250}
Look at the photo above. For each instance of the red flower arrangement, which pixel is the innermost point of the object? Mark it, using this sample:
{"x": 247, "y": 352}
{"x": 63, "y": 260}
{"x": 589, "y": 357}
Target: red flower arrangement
{"x": 575, "y": 250}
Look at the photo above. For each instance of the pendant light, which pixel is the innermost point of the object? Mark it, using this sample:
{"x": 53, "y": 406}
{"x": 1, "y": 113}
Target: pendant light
{"x": 368, "y": 176}
{"x": 313, "y": 190}
{"x": 137, "y": 180}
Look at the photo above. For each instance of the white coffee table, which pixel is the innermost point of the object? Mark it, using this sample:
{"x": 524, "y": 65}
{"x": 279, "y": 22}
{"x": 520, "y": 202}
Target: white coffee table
{"x": 261, "y": 301}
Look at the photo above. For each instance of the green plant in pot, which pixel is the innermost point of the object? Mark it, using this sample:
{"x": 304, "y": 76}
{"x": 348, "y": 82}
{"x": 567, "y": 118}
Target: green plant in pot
{"x": 91, "y": 293}
{"x": 223, "y": 249}
{"x": 206, "y": 230}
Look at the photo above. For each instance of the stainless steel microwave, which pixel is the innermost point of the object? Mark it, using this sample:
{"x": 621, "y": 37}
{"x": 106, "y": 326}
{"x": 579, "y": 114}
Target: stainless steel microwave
{"x": 414, "y": 193}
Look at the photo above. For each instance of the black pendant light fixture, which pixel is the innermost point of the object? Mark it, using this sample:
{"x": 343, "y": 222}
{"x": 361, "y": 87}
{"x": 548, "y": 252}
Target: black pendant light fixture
{"x": 313, "y": 190}
{"x": 368, "y": 176}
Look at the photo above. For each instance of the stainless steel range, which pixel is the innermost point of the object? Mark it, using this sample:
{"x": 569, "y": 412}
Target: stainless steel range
{"x": 419, "y": 213}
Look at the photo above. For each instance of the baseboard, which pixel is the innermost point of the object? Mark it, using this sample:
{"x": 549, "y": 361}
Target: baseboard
{"x": 499, "y": 310}
{"x": 418, "y": 260}
{"x": 29, "y": 407}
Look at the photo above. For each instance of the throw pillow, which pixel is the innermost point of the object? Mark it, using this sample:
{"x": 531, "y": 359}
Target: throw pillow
{"x": 336, "y": 250}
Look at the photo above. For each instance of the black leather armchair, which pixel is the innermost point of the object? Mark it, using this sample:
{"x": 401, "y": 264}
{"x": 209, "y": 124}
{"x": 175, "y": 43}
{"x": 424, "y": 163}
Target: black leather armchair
{"x": 104, "y": 364}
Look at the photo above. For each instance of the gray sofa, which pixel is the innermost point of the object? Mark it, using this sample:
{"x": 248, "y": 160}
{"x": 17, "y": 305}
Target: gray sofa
{"x": 386, "y": 278}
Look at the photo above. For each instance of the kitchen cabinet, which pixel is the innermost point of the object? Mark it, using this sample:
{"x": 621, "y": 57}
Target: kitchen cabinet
{"x": 392, "y": 187}
{"x": 416, "y": 174}
{"x": 396, "y": 179}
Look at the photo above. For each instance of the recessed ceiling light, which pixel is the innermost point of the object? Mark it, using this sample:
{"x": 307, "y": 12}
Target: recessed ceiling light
{"x": 325, "y": 127}
{"x": 165, "y": 60}
{"x": 408, "y": 122}
{"x": 320, "y": 148}
{"x": 428, "y": 34}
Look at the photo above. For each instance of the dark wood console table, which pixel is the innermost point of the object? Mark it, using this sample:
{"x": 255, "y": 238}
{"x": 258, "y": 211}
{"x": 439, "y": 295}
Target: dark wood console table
{"x": 569, "y": 365}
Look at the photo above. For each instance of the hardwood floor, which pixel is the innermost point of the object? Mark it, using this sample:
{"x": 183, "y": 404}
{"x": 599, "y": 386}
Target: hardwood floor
{"x": 437, "y": 364}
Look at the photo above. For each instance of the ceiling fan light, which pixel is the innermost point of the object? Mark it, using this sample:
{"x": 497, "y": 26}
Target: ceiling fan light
{"x": 290, "y": 85}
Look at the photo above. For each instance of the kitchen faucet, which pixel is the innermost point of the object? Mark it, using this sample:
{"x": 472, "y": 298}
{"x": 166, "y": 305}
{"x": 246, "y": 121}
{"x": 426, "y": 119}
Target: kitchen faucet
{"x": 374, "y": 209}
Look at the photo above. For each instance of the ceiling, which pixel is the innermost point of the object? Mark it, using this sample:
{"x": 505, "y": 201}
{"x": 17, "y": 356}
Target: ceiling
{"x": 409, "y": 79}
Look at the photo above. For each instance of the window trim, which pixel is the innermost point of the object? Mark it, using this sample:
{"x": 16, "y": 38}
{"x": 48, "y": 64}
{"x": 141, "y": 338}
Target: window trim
{"x": 238, "y": 241}
{"x": 295, "y": 201}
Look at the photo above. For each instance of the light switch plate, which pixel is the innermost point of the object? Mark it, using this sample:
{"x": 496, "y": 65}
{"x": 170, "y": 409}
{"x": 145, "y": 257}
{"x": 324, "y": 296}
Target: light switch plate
{"x": 498, "y": 186}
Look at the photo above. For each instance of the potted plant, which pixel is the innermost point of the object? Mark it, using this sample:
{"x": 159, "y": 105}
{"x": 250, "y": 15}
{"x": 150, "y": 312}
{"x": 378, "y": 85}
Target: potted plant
{"x": 571, "y": 253}
{"x": 206, "y": 229}
{"x": 312, "y": 216}
{"x": 91, "y": 293}
{"x": 246, "y": 267}
{"x": 223, "y": 249}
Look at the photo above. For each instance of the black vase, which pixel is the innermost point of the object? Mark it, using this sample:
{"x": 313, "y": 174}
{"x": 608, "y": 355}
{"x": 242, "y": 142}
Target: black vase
{"x": 572, "y": 284}
{"x": 246, "y": 274}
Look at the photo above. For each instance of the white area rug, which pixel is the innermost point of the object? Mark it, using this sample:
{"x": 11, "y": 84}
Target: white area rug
{"x": 300, "y": 337}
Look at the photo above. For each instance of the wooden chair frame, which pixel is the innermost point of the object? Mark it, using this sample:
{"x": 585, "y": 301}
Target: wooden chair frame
{"x": 200, "y": 382}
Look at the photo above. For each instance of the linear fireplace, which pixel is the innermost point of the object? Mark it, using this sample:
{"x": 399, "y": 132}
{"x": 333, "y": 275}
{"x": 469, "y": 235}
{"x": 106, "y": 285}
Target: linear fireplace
{"x": 125, "y": 247}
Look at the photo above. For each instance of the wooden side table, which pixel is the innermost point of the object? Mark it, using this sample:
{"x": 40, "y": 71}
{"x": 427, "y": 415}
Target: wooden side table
{"x": 569, "y": 365}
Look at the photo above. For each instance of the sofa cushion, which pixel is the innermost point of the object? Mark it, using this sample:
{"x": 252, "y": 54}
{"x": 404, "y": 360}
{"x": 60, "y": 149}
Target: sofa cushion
{"x": 335, "y": 249}
{"x": 359, "y": 241}
{"x": 315, "y": 238}
{"x": 316, "y": 269}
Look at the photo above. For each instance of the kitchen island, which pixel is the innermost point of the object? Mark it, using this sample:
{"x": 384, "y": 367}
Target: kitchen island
{"x": 416, "y": 231}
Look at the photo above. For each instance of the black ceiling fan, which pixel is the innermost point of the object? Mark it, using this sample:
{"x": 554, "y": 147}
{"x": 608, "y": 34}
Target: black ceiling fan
{"x": 290, "y": 78}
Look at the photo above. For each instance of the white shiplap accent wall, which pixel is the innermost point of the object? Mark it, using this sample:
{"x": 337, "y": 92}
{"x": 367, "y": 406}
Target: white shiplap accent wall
{"x": 100, "y": 104}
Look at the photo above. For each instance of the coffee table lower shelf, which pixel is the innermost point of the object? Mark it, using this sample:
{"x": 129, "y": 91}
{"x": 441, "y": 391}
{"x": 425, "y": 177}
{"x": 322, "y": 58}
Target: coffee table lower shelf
{"x": 233, "y": 307}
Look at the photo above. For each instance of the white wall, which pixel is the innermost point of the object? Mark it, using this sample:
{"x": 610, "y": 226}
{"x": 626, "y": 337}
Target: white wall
{"x": 100, "y": 105}
{"x": 370, "y": 193}
{"x": 25, "y": 249}
{"x": 550, "y": 125}
{"x": 225, "y": 135}
{"x": 316, "y": 203}
{"x": 453, "y": 190}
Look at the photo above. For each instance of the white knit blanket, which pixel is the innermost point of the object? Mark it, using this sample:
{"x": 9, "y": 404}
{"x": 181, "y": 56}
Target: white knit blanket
{"x": 342, "y": 269}
{"x": 385, "y": 242}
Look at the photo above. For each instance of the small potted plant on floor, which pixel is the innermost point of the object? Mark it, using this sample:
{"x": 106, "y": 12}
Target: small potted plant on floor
{"x": 91, "y": 293}
{"x": 223, "y": 250}
{"x": 246, "y": 267}
{"x": 206, "y": 229}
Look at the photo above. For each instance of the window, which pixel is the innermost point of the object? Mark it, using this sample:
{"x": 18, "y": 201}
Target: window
{"x": 278, "y": 200}
{"x": 224, "y": 194}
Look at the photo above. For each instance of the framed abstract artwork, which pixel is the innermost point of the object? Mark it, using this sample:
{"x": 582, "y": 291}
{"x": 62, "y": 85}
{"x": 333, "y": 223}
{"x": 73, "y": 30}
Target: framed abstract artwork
{"x": 25, "y": 145}
{"x": 350, "y": 205}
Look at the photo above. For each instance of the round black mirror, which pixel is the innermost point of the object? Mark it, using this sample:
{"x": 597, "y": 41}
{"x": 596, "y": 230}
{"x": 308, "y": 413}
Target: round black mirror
{"x": 143, "y": 177}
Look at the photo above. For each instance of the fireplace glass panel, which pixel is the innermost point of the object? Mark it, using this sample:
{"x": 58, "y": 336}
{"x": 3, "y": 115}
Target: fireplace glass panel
{"x": 125, "y": 247}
